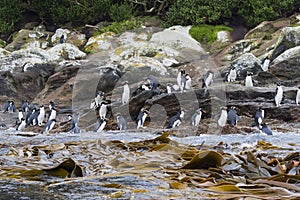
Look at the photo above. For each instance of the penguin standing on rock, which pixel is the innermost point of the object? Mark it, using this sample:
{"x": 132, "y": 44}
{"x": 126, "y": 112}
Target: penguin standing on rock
{"x": 21, "y": 125}
{"x": 41, "y": 115}
{"x": 9, "y": 107}
{"x": 20, "y": 115}
{"x": 181, "y": 79}
{"x": 74, "y": 123}
{"x": 248, "y": 80}
{"x": 53, "y": 113}
{"x": 195, "y": 120}
{"x": 32, "y": 119}
{"x": 126, "y": 93}
{"x": 175, "y": 120}
{"x": 223, "y": 117}
{"x": 100, "y": 125}
{"x": 207, "y": 79}
{"x": 103, "y": 109}
{"x": 278, "y": 95}
{"x": 122, "y": 123}
{"x": 298, "y": 96}
{"x": 49, "y": 126}
{"x": 233, "y": 117}
{"x": 25, "y": 106}
{"x": 259, "y": 116}
{"x": 232, "y": 74}
{"x": 188, "y": 82}
{"x": 141, "y": 119}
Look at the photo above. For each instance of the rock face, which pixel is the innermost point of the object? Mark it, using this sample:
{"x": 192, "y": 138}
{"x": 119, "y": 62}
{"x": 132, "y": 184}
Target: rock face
{"x": 42, "y": 68}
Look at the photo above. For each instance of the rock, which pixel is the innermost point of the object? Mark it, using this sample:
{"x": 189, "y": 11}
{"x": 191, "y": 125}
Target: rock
{"x": 65, "y": 51}
{"x": 71, "y": 37}
{"x": 24, "y": 85}
{"x": 100, "y": 42}
{"x": 289, "y": 38}
{"x": 245, "y": 63}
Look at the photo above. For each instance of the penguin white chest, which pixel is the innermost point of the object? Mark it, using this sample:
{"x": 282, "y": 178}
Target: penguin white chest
{"x": 248, "y": 81}
{"x": 197, "y": 119}
{"x": 176, "y": 123}
{"x": 232, "y": 75}
{"x": 279, "y": 95}
{"x": 298, "y": 97}
{"x": 101, "y": 127}
{"x": 103, "y": 111}
{"x": 41, "y": 116}
{"x": 209, "y": 79}
{"x": 169, "y": 89}
{"x": 21, "y": 126}
{"x": 223, "y": 118}
{"x": 126, "y": 93}
{"x": 52, "y": 115}
{"x": 188, "y": 84}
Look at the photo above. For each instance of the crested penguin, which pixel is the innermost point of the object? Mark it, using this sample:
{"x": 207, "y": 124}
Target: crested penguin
{"x": 141, "y": 119}
{"x": 32, "y": 119}
{"x": 181, "y": 79}
{"x": 264, "y": 129}
{"x": 100, "y": 96}
{"x": 74, "y": 123}
{"x": 51, "y": 105}
{"x": 9, "y": 107}
{"x": 195, "y": 120}
{"x": 52, "y": 114}
{"x": 25, "y": 106}
{"x": 126, "y": 93}
{"x": 188, "y": 82}
{"x": 298, "y": 96}
{"x": 232, "y": 74}
{"x": 259, "y": 116}
{"x": 232, "y": 116}
{"x": 223, "y": 117}
{"x": 103, "y": 109}
{"x": 21, "y": 125}
{"x": 207, "y": 79}
{"x": 41, "y": 115}
{"x": 122, "y": 123}
{"x": 175, "y": 120}
{"x": 49, "y": 126}
{"x": 248, "y": 80}
{"x": 278, "y": 94}
{"x": 265, "y": 64}
{"x": 20, "y": 115}
{"x": 100, "y": 125}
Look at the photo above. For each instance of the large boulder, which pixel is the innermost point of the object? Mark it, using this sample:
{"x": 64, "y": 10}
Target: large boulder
{"x": 289, "y": 38}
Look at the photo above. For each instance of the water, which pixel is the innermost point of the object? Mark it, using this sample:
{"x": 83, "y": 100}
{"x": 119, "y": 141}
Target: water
{"x": 103, "y": 178}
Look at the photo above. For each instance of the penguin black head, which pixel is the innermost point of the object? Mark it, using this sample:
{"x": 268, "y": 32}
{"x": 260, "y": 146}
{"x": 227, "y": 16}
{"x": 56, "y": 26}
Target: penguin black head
{"x": 182, "y": 71}
{"x": 70, "y": 116}
{"x": 125, "y": 83}
{"x": 233, "y": 107}
{"x": 278, "y": 84}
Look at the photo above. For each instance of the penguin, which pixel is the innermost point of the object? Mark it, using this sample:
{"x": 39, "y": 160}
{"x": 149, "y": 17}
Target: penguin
{"x": 175, "y": 120}
{"x": 170, "y": 88}
{"x": 62, "y": 39}
{"x": 122, "y": 123}
{"x": 207, "y": 79}
{"x": 265, "y": 64}
{"x": 100, "y": 96}
{"x": 232, "y": 116}
{"x": 51, "y": 105}
{"x": 74, "y": 128}
{"x": 41, "y": 115}
{"x": 278, "y": 95}
{"x": 100, "y": 125}
{"x": 21, "y": 125}
{"x": 259, "y": 116}
{"x": 232, "y": 74}
{"x": 25, "y": 106}
{"x": 32, "y": 119}
{"x": 9, "y": 107}
{"x": 141, "y": 119}
{"x": 52, "y": 114}
{"x": 20, "y": 115}
{"x": 248, "y": 80}
{"x": 126, "y": 93}
{"x": 103, "y": 109}
{"x": 298, "y": 96}
{"x": 49, "y": 126}
{"x": 265, "y": 129}
{"x": 223, "y": 117}
{"x": 180, "y": 77}
{"x": 195, "y": 120}
{"x": 188, "y": 82}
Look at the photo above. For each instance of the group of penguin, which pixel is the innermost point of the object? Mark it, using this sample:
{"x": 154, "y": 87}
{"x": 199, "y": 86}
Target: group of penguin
{"x": 29, "y": 115}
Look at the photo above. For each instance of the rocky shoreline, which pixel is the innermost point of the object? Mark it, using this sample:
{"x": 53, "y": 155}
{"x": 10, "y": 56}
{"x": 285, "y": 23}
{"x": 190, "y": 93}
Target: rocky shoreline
{"x": 35, "y": 66}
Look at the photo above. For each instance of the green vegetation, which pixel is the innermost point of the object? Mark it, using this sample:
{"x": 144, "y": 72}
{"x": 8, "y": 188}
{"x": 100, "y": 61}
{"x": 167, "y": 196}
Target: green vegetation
{"x": 118, "y": 27}
{"x": 171, "y": 12}
{"x": 207, "y": 33}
